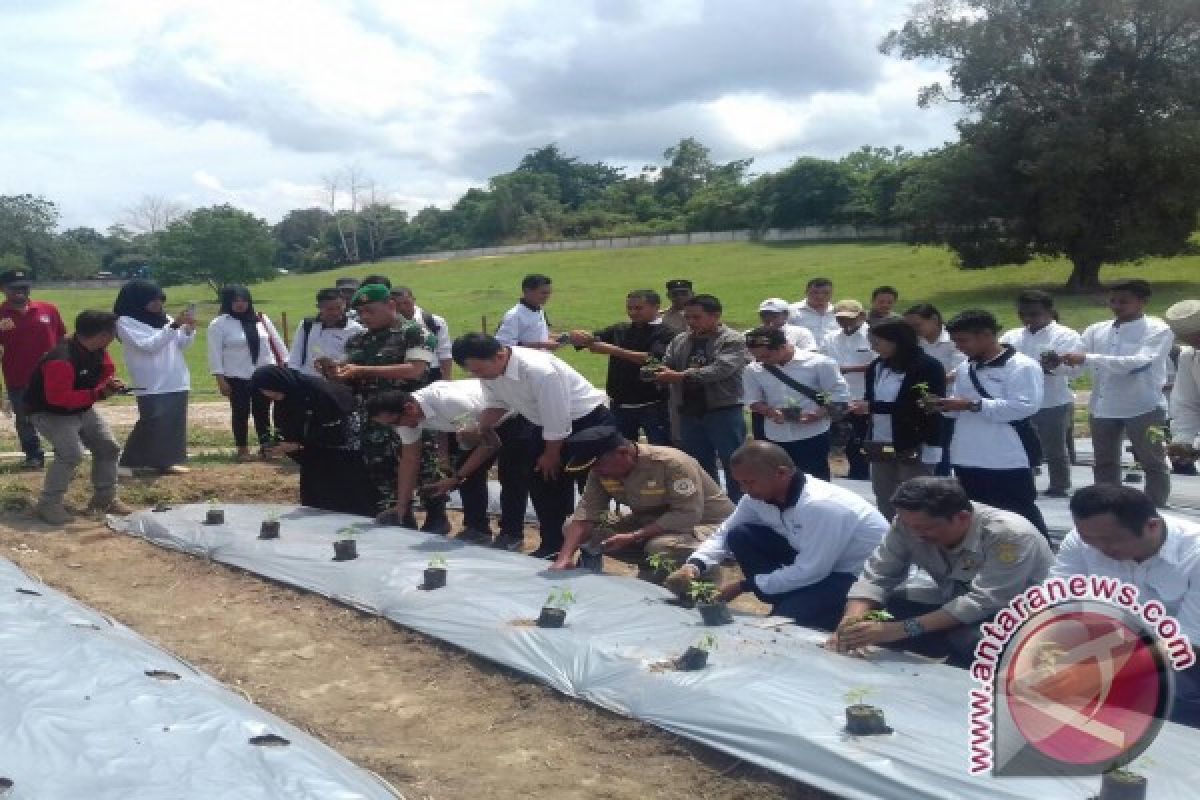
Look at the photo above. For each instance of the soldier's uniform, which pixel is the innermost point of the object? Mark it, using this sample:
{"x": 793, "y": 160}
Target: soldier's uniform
{"x": 407, "y": 340}
{"x": 1001, "y": 556}
{"x": 667, "y": 487}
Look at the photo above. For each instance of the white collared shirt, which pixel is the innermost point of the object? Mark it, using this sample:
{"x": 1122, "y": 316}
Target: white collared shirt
{"x": 154, "y": 356}
{"x": 1171, "y": 576}
{"x": 831, "y": 529}
{"x": 229, "y": 352}
{"x": 1054, "y": 338}
{"x": 945, "y": 351}
{"x": 322, "y": 343}
{"x": 523, "y": 325}
{"x": 543, "y": 389}
{"x": 851, "y": 350}
{"x": 985, "y": 439}
{"x": 1129, "y": 366}
{"x": 448, "y": 406}
{"x": 810, "y": 369}
{"x": 1185, "y": 399}
{"x": 819, "y": 324}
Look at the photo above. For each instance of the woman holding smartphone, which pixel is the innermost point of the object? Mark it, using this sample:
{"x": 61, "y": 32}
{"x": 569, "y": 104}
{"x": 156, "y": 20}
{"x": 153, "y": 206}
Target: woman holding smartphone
{"x": 240, "y": 341}
{"x": 154, "y": 343}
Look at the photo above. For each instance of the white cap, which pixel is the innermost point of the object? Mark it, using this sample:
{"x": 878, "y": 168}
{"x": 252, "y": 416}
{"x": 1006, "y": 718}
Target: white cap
{"x": 775, "y": 305}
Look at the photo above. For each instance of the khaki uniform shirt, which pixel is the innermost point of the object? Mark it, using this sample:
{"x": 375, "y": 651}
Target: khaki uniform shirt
{"x": 1001, "y": 556}
{"x": 666, "y": 486}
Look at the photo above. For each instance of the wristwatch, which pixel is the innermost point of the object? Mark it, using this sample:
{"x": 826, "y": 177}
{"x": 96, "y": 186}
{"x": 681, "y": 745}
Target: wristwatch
{"x": 913, "y": 628}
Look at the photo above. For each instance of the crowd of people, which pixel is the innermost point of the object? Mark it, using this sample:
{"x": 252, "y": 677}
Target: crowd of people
{"x": 949, "y": 421}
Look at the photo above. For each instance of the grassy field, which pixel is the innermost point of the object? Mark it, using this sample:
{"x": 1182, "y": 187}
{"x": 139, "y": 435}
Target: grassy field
{"x": 590, "y": 286}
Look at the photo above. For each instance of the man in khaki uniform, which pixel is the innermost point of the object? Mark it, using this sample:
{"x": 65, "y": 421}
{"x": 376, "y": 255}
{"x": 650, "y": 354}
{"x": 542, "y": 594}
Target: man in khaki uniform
{"x": 675, "y": 504}
{"x": 979, "y": 557}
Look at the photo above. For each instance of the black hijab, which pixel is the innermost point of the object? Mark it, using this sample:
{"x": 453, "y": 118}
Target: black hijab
{"x": 248, "y": 318}
{"x": 133, "y": 299}
{"x": 305, "y": 392}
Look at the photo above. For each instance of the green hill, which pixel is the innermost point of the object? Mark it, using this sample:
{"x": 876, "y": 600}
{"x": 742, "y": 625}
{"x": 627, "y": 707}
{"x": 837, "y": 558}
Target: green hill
{"x": 590, "y": 286}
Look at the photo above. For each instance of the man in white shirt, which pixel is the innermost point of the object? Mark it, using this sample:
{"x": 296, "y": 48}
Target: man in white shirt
{"x": 1120, "y": 534}
{"x": 1184, "y": 319}
{"x": 451, "y": 410}
{"x": 851, "y": 349}
{"x": 323, "y": 336}
{"x": 1128, "y": 361}
{"x": 796, "y": 391}
{"x": 994, "y": 449}
{"x": 406, "y": 305}
{"x": 1040, "y": 339}
{"x": 815, "y": 311}
{"x": 525, "y": 323}
{"x": 555, "y": 399}
{"x": 800, "y": 541}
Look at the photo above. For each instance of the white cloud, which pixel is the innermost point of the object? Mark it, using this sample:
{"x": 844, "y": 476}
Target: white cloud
{"x": 209, "y": 101}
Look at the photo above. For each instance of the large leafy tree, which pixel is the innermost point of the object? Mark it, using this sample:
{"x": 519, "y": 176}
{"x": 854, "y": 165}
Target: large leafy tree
{"x": 27, "y": 225}
{"x": 217, "y": 245}
{"x": 1083, "y": 132}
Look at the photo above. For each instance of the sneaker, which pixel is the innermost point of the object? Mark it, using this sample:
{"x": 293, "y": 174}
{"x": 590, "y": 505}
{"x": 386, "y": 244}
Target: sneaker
{"x": 475, "y": 536}
{"x": 52, "y": 514}
{"x": 509, "y": 541}
{"x": 114, "y": 506}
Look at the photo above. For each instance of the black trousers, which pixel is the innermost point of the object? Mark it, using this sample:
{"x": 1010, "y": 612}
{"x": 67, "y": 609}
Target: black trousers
{"x": 1010, "y": 489}
{"x": 856, "y": 456}
{"x": 243, "y": 403}
{"x": 553, "y": 501}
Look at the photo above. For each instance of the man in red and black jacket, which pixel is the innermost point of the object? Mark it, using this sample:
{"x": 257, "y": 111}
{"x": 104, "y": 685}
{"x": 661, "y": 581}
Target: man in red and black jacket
{"x": 28, "y": 330}
{"x": 64, "y": 386}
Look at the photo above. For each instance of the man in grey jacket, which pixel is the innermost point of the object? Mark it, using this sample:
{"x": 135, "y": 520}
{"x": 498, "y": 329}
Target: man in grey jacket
{"x": 703, "y": 368}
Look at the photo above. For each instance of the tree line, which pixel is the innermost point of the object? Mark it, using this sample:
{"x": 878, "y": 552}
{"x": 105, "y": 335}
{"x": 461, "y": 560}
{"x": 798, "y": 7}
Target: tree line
{"x": 1082, "y": 140}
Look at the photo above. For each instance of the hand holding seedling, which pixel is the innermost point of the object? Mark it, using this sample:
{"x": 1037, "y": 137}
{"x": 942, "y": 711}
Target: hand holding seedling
{"x": 679, "y": 581}
{"x": 666, "y": 375}
{"x": 855, "y": 634}
{"x": 730, "y": 591}
{"x": 581, "y": 338}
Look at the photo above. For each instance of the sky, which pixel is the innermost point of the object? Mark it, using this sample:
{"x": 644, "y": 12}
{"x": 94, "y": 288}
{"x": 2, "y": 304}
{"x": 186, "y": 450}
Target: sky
{"x": 256, "y": 102}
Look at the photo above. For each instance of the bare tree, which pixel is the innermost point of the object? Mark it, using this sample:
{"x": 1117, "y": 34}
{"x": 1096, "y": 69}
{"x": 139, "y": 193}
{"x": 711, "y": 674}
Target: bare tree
{"x": 333, "y": 184}
{"x": 152, "y": 213}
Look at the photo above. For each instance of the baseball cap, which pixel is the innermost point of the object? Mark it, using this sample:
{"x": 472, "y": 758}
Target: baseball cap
{"x": 775, "y": 305}
{"x": 847, "y": 308}
{"x": 679, "y": 283}
{"x": 15, "y": 277}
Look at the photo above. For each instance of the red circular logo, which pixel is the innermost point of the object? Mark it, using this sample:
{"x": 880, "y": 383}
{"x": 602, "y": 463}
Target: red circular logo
{"x": 1084, "y": 687}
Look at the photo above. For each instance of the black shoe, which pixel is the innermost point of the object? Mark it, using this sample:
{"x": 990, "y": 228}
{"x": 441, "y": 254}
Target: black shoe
{"x": 475, "y": 536}
{"x": 546, "y": 551}
{"x": 509, "y": 541}
{"x": 437, "y": 525}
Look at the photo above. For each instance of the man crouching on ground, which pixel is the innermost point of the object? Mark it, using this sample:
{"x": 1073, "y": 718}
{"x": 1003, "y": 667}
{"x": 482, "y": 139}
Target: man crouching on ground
{"x": 675, "y": 504}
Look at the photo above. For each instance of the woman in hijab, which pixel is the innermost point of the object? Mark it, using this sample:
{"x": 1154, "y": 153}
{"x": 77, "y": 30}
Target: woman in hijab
{"x": 154, "y": 343}
{"x": 239, "y": 341}
{"x": 314, "y": 417}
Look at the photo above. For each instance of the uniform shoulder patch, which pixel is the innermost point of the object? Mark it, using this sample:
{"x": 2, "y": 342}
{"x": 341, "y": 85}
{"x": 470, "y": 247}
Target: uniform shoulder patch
{"x": 1006, "y": 552}
{"x": 684, "y": 486}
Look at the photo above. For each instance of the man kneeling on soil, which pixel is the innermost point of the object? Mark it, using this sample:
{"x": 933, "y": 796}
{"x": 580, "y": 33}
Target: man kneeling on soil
{"x": 65, "y": 384}
{"x": 675, "y": 503}
{"x": 799, "y": 540}
{"x": 979, "y": 557}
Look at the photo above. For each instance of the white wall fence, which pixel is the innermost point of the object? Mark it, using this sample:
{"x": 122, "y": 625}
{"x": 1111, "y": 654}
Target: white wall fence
{"x": 808, "y": 234}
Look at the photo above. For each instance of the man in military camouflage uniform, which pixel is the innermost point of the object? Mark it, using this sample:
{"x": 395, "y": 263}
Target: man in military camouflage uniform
{"x": 392, "y": 353}
{"x": 979, "y": 557}
{"x": 675, "y": 503}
